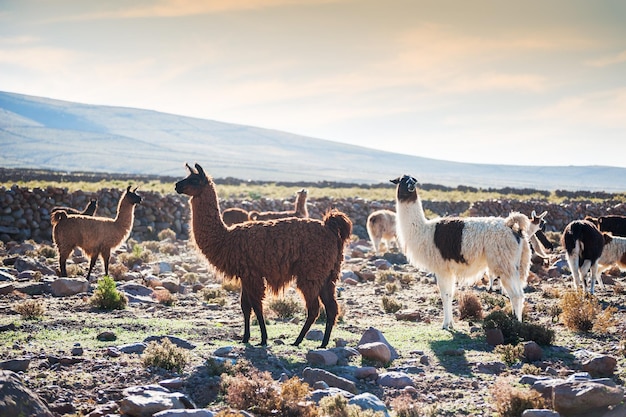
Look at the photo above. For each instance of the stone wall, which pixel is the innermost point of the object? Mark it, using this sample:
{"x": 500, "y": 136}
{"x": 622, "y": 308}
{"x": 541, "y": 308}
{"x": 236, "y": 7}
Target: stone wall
{"x": 25, "y": 213}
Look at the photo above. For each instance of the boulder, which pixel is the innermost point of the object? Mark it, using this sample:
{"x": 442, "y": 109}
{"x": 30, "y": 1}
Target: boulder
{"x": 17, "y": 400}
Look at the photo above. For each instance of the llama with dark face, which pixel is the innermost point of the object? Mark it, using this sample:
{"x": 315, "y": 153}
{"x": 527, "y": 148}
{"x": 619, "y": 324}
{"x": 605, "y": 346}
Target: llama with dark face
{"x": 460, "y": 249}
{"x": 96, "y": 236}
{"x": 583, "y": 244}
{"x": 270, "y": 253}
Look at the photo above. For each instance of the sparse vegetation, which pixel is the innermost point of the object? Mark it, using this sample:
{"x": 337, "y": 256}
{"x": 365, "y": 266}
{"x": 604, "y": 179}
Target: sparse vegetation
{"x": 107, "y": 296}
{"x": 390, "y": 304}
{"x": 470, "y": 306}
{"x": 165, "y": 355}
{"x": 33, "y": 309}
{"x": 285, "y": 308}
{"x": 582, "y": 312}
{"x": 510, "y": 400}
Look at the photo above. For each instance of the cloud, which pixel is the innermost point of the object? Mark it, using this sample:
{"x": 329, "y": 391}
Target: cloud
{"x": 608, "y": 60}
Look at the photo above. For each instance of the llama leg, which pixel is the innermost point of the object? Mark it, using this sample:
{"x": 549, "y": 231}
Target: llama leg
{"x": 513, "y": 288}
{"x": 246, "y": 308}
{"x": 327, "y": 295}
{"x": 446, "y": 289}
{"x": 257, "y": 306}
{"x": 313, "y": 311}
{"x": 572, "y": 262}
{"x": 582, "y": 272}
{"x": 595, "y": 276}
{"x": 92, "y": 263}
{"x": 63, "y": 255}
{"x": 106, "y": 257}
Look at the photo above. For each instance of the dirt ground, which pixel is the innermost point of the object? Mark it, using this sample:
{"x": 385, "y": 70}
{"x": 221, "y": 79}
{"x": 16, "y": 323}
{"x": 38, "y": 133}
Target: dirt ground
{"x": 453, "y": 371}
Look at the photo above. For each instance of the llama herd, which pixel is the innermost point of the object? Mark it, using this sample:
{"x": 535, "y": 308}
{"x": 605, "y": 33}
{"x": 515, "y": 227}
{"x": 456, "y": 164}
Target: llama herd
{"x": 268, "y": 251}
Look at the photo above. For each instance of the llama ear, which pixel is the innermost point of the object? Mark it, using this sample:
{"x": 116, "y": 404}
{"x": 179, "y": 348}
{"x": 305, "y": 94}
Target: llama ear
{"x": 189, "y": 168}
{"x": 395, "y": 180}
{"x": 128, "y": 189}
{"x": 200, "y": 170}
{"x": 135, "y": 190}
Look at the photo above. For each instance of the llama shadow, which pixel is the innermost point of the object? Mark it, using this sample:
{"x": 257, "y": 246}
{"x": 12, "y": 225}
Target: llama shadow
{"x": 451, "y": 353}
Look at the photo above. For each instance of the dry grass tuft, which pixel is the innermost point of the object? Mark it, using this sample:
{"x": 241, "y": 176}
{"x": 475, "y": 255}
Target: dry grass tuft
{"x": 165, "y": 355}
{"x": 470, "y": 306}
{"x": 582, "y": 312}
{"x": 32, "y": 309}
{"x": 511, "y": 401}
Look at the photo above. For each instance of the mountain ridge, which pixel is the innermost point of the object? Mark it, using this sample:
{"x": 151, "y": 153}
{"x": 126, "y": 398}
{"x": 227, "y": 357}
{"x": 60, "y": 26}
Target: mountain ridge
{"x": 45, "y": 133}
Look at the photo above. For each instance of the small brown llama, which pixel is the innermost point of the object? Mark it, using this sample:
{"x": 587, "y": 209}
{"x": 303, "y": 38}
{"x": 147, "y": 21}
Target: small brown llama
{"x": 89, "y": 210}
{"x": 270, "y": 253}
{"x": 381, "y": 228}
{"x": 300, "y": 209}
{"x": 234, "y": 215}
{"x": 97, "y": 236}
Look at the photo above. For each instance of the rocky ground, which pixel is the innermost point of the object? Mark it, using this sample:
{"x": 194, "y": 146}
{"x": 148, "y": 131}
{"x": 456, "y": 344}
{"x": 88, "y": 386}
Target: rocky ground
{"x": 446, "y": 373}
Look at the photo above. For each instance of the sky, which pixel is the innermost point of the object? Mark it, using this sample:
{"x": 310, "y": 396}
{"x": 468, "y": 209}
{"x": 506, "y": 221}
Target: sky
{"x": 529, "y": 82}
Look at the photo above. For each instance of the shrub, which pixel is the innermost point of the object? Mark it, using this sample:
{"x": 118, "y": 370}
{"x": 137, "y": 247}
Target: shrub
{"x": 165, "y": 355}
{"x": 493, "y": 300}
{"x": 231, "y": 285}
{"x": 167, "y": 234}
{"x": 510, "y": 354}
{"x": 213, "y": 295}
{"x": 117, "y": 271}
{"x": 470, "y": 306}
{"x": 163, "y": 296}
{"x": 254, "y": 391}
{"x": 189, "y": 278}
{"x": 511, "y": 401}
{"x": 582, "y": 312}
{"x": 31, "y": 309}
{"x": 107, "y": 296}
{"x": 285, "y": 308}
{"x": 168, "y": 248}
{"x": 514, "y": 331}
{"x": 47, "y": 251}
{"x": 391, "y": 287}
{"x": 390, "y": 304}
{"x": 405, "y": 406}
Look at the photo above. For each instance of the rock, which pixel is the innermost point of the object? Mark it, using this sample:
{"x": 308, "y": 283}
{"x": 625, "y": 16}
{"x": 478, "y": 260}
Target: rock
{"x": 321, "y": 357}
{"x": 132, "y": 348}
{"x": 375, "y": 351}
{"x": 106, "y": 336}
{"x": 312, "y": 375}
{"x": 494, "y": 368}
{"x": 375, "y": 335}
{"x": 408, "y": 315}
{"x": 15, "y": 365}
{"x": 318, "y": 394}
{"x": 368, "y": 401}
{"x": 532, "y": 351}
{"x": 181, "y": 343}
{"x": 184, "y": 413}
{"x": 145, "y": 401}
{"x": 534, "y": 412}
{"x": 366, "y": 372}
{"x": 600, "y": 366}
{"x": 395, "y": 379}
{"x": 585, "y": 398}
{"x": 63, "y": 287}
{"x": 17, "y": 400}
{"x": 314, "y": 335}
{"x": 494, "y": 337}
{"x": 6, "y": 289}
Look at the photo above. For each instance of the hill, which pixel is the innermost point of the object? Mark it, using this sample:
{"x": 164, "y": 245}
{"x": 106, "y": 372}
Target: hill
{"x": 51, "y": 134}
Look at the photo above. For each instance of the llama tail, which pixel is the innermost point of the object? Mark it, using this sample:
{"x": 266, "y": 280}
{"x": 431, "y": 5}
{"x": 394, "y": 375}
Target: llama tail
{"x": 58, "y": 216}
{"x": 519, "y": 223}
{"x": 339, "y": 223}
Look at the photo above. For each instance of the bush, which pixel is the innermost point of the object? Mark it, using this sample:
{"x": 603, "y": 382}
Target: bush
{"x": 214, "y": 295}
{"x": 285, "y": 308}
{"x": 510, "y": 354}
{"x": 107, "y": 297}
{"x": 515, "y": 331}
{"x": 337, "y": 406}
{"x": 255, "y": 392}
{"x": 582, "y": 312}
{"x": 165, "y": 355}
{"x": 470, "y": 306}
{"x": 31, "y": 309}
{"x": 167, "y": 234}
{"x": 164, "y": 296}
{"x": 390, "y": 304}
{"x": 511, "y": 401}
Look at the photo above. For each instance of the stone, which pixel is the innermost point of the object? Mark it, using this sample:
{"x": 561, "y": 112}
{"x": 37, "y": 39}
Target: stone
{"x": 374, "y": 335}
{"x": 600, "y": 366}
{"x": 318, "y": 394}
{"x": 314, "y": 334}
{"x": 368, "y": 401}
{"x": 15, "y": 365}
{"x": 366, "y": 372}
{"x": 63, "y": 287}
{"x": 395, "y": 379}
{"x": 534, "y": 412}
{"x": 181, "y": 343}
{"x": 321, "y": 357}
{"x": 184, "y": 413}
{"x": 375, "y": 351}
{"x": 585, "y": 397}
{"x": 532, "y": 351}
{"x": 18, "y": 400}
{"x": 312, "y": 375}
{"x": 494, "y": 337}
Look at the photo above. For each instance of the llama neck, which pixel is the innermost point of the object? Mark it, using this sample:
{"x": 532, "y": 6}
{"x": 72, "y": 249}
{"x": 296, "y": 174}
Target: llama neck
{"x": 206, "y": 220}
{"x": 124, "y": 217}
{"x": 412, "y": 211}
{"x": 301, "y": 206}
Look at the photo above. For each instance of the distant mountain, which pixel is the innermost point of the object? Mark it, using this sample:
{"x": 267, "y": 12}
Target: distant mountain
{"x": 43, "y": 133}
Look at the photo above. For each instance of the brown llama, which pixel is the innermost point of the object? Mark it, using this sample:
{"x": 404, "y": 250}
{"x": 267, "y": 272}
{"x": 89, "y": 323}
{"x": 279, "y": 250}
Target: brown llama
{"x": 97, "y": 236}
{"x": 300, "y": 209}
{"x": 234, "y": 215}
{"x": 270, "y": 253}
{"x": 89, "y": 210}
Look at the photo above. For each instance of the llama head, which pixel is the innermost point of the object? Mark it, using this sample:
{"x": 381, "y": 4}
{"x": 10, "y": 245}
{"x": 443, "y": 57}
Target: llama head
{"x": 132, "y": 196}
{"x": 406, "y": 189}
{"x": 537, "y": 222}
{"x": 194, "y": 183}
